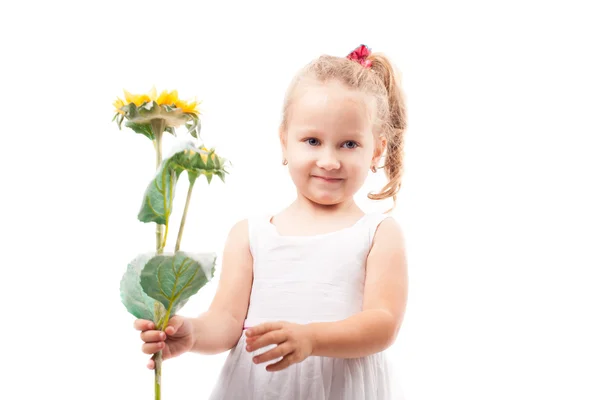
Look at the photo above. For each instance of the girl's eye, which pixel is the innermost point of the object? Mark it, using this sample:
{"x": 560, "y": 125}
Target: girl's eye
{"x": 313, "y": 141}
{"x": 350, "y": 144}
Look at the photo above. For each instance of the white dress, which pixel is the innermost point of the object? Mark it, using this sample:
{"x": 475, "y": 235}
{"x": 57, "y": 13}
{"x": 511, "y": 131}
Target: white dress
{"x": 305, "y": 279}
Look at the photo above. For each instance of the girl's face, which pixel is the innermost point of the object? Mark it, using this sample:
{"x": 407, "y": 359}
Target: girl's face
{"x": 329, "y": 143}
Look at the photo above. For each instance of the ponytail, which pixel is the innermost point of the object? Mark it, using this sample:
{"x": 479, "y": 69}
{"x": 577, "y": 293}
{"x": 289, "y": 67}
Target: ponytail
{"x": 393, "y": 128}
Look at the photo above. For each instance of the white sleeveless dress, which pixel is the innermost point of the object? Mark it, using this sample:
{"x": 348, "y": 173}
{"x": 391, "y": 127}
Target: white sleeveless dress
{"x": 306, "y": 279}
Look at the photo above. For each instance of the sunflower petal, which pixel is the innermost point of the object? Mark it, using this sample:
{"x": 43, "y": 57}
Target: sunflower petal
{"x": 152, "y": 93}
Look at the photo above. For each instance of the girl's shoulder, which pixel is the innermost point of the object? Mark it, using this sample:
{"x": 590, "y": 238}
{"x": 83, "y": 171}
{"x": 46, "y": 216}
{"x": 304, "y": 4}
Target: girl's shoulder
{"x": 376, "y": 221}
{"x": 387, "y": 231}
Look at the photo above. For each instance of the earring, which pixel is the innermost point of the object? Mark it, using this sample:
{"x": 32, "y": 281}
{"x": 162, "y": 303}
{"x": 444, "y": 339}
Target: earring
{"x": 373, "y": 169}
{"x": 285, "y": 162}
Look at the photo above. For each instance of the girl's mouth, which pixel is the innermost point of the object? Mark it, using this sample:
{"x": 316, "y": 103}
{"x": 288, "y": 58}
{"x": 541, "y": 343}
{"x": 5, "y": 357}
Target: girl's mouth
{"x": 327, "y": 179}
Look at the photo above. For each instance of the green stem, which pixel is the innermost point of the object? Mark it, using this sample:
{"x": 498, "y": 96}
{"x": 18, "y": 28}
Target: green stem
{"x": 162, "y": 324}
{"x": 164, "y": 241}
{"x": 157, "y": 374}
{"x": 158, "y": 127}
{"x": 185, "y": 210}
{"x": 167, "y": 213}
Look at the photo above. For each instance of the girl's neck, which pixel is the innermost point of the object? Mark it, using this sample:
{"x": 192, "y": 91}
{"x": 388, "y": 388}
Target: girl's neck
{"x": 304, "y": 206}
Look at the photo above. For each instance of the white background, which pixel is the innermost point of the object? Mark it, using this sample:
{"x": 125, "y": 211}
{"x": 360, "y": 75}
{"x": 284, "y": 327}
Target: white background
{"x": 499, "y": 202}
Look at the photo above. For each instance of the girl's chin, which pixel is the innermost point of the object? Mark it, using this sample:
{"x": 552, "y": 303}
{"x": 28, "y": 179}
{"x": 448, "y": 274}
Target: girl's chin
{"x": 327, "y": 199}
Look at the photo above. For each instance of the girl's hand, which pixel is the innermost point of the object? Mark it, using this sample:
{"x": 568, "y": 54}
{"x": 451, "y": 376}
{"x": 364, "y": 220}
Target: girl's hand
{"x": 175, "y": 340}
{"x": 294, "y": 343}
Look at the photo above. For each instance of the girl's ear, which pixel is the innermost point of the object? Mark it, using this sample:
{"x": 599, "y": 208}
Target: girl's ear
{"x": 380, "y": 146}
{"x": 283, "y": 141}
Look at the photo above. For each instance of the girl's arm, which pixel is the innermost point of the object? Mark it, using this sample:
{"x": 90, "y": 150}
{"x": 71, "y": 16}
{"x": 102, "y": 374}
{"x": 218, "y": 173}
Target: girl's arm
{"x": 220, "y": 328}
{"x": 385, "y": 295}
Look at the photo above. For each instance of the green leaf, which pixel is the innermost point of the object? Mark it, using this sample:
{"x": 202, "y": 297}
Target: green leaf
{"x": 144, "y": 129}
{"x": 193, "y": 126}
{"x": 160, "y": 313}
{"x": 173, "y": 279}
{"x": 192, "y": 176}
{"x": 148, "y": 108}
{"x": 130, "y": 111}
{"x": 158, "y": 198}
{"x": 171, "y": 130}
{"x": 133, "y": 297}
{"x": 196, "y": 162}
{"x": 210, "y": 162}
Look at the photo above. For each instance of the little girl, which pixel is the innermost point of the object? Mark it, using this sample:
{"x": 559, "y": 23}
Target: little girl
{"x": 309, "y": 298}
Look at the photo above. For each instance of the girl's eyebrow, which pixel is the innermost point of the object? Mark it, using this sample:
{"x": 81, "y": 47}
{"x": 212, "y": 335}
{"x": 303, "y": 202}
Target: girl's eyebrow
{"x": 309, "y": 130}
{"x": 314, "y": 131}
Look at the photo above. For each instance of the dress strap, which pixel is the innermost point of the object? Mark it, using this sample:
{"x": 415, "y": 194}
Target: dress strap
{"x": 255, "y": 224}
{"x": 258, "y": 224}
{"x": 373, "y": 222}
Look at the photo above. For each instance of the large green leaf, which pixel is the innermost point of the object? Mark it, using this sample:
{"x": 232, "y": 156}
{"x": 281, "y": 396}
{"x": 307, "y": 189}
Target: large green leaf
{"x": 144, "y": 129}
{"x": 137, "y": 302}
{"x": 172, "y": 279}
{"x": 158, "y": 198}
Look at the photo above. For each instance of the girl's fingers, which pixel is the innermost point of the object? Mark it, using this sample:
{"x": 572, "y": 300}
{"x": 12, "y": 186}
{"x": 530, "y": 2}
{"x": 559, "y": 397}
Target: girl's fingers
{"x": 273, "y": 337}
{"x": 151, "y": 348}
{"x": 143, "y": 324}
{"x": 174, "y": 324}
{"x": 150, "y": 364}
{"x": 279, "y": 351}
{"x": 281, "y": 365}
{"x": 153, "y": 336}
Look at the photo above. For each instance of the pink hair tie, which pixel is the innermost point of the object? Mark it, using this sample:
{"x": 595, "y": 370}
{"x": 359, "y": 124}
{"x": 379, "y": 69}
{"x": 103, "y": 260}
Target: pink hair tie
{"x": 360, "y": 55}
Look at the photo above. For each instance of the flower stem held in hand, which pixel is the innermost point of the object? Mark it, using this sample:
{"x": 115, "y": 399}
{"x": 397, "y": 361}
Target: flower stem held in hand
{"x": 158, "y": 359}
{"x": 158, "y": 127}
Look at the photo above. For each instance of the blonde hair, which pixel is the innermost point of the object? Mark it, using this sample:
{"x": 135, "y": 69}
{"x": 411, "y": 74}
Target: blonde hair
{"x": 380, "y": 81}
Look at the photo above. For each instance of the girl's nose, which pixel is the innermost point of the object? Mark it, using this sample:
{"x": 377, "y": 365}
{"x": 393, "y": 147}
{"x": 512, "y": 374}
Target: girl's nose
{"x": 328, "y": 161}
